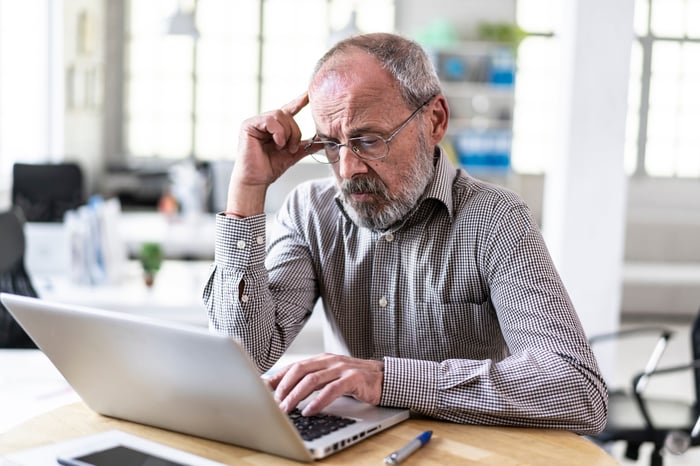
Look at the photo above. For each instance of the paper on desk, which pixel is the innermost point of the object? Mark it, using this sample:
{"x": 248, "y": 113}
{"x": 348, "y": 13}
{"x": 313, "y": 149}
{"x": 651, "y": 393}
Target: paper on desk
{"x": 29, "y": 385}
{"x": 47, "y": 454}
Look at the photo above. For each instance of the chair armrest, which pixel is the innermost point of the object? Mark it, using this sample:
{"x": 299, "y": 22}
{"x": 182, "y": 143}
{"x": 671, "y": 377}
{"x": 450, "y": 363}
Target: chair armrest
{"x": 639, "y": 384}
{"x": 664, "y": 335}
{"x": 662, "y": 332}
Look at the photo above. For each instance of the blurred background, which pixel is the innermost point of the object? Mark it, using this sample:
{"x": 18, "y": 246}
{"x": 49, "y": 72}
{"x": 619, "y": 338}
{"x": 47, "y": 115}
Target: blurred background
{"x": 119, "y": 123}
{"x": 589, "y": 110}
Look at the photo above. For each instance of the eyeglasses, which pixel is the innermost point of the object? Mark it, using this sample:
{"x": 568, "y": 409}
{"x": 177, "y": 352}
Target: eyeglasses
{"x": 366, "y": 147}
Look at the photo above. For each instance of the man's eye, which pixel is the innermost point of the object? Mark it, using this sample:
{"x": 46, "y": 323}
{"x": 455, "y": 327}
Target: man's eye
{"x": 369, "y": 141}
{"x": 331, "y": 145}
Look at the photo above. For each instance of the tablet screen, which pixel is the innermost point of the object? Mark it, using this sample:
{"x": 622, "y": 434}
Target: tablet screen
{"x": 118, "y": 456}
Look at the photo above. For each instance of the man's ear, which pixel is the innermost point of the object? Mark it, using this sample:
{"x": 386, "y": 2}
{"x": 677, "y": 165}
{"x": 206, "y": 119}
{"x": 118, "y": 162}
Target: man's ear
{"x": 438, "y": 116}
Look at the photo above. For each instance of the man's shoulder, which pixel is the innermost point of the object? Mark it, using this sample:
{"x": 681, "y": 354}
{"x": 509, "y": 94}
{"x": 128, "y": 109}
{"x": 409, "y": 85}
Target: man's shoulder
{"x": 474, "y": 192}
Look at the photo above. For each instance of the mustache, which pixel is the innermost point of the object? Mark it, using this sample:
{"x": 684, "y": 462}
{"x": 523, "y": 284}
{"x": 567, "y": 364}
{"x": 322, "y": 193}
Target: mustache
{"x": 363, "y": 185}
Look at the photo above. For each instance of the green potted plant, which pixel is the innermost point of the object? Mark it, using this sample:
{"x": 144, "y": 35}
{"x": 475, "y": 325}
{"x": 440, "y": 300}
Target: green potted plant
{"x": 151, "y": 259}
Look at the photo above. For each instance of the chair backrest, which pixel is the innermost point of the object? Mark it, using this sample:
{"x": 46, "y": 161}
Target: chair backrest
{"x": 11, "y": 240}
{"x": 13, "y": 278}
{"x": 45, "y": 192}
{"x": 695, "y": 348}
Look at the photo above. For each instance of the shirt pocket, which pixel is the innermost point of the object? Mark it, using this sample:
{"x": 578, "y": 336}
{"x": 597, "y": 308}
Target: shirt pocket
{"x": 456, "y": 330}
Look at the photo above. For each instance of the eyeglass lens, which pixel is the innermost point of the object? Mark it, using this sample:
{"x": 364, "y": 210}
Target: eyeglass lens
{"x": 366, "y": 147}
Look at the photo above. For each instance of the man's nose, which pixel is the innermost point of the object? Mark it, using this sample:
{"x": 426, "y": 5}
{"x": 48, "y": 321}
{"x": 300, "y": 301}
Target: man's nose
{"x": 350, "y": 164}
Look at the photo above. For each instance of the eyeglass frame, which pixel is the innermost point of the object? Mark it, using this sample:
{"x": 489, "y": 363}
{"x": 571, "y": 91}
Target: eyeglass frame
{"x": 354, "y": 148}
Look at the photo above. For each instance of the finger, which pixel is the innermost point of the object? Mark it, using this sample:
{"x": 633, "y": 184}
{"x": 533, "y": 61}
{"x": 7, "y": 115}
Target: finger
{"x": 307, "y": 386}
{"x": 273, "y": 380}
{"x": 302, "y": 379}
{"x": 297, "y": 104}
{"x": 327, "y": 395}
{"x": 293, "y": 135}
{"x": 283, "y": 130}
{"x": 292, "y": 378}
{"x": 277, "y": 131}
{"x": 362, "y": 380}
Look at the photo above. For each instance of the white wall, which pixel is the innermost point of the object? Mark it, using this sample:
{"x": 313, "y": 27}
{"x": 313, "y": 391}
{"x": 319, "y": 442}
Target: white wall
{"x": 83, "y": 61}
{"x": 413, "y": 16}
{"x": 42, "y": 57}
{"x": 30, "y": 104}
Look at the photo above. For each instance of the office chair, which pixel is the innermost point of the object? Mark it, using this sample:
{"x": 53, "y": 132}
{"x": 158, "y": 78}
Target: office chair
{"x": 13, "y": 278}
{"x": 45, "y": 192}
{"x": 671, "y": 425}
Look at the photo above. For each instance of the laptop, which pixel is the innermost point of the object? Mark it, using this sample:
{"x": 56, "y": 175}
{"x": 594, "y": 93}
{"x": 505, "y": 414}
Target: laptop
{"x": 181, "y": 378}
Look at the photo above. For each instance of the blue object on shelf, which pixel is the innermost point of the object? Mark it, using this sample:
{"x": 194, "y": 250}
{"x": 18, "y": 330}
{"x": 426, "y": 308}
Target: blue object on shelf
{"x": 454, "y": 68}
{"x": 484, "y": 149}
{"x": 502, "y": 69}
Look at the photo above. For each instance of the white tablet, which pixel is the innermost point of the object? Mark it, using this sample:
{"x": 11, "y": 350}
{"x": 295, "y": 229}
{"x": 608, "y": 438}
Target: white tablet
{"x": 111, "y": 448}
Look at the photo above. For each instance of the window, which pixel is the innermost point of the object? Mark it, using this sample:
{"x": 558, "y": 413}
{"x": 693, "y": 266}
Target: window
{"x": 662, "y": 139}
{"x": 668, "y": 68}
{"x": 536, "y": 87}
{"x": 186, "y": 95}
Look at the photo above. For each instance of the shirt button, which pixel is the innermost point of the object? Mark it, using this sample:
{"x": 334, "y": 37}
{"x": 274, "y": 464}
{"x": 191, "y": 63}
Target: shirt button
{"x": 245, "y": 298}
{"x": 240, "y": 244}
{"x": 260, "y": 240}
{"x": 389, "y": 237}
{"x": 383, "y": 302}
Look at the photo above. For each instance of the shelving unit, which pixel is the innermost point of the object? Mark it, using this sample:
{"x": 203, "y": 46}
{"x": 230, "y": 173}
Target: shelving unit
{"x": 478, "y": 80}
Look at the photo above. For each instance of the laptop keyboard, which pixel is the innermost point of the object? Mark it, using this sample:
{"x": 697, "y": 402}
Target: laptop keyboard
{"x": 313, "y": 427}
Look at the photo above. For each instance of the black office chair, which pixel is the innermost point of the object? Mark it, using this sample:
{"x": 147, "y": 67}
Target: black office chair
{"x": 46, "y": 191}
{"x": 13, "y": 278}
{"x": 671, "y": 425}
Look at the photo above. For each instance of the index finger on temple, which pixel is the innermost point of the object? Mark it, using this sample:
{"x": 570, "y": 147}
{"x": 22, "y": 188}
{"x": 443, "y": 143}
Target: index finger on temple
{"x": 297, "y": 104}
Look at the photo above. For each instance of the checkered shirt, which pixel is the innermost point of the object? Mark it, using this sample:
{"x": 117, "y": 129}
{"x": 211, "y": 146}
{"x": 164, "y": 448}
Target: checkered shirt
{"x": 461, "y": 301}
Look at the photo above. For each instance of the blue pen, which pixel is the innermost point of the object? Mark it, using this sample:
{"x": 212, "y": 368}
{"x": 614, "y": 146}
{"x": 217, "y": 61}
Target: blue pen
{"x": 403, "y": 453}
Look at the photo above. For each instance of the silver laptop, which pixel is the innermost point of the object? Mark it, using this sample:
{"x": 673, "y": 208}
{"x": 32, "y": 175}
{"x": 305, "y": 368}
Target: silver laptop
{"x": 180, "y": 378}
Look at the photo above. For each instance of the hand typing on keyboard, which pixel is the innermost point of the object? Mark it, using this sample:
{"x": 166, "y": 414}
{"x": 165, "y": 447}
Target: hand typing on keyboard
{"x": 332, "y": 376}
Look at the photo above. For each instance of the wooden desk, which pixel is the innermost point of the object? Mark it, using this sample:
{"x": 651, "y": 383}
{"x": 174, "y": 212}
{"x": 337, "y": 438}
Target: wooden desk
{"x": 451, "y": 443}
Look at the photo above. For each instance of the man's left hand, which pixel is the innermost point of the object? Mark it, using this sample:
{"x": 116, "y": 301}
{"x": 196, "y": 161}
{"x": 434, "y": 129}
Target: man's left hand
{"x": 333, "y": 376}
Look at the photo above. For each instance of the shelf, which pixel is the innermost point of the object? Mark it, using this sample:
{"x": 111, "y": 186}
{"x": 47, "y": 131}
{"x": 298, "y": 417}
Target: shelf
{"x": 478, "y": 82}
{"x": 459, "y": 124}
{"x": 466, "y": 89}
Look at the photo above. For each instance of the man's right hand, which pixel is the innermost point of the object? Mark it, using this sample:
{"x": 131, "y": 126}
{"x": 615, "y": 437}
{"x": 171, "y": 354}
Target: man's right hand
{"x": 268, "y": 145}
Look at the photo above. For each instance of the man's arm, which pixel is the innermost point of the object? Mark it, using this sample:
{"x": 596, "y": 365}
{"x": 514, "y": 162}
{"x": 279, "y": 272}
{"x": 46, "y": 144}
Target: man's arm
{"x": 237, "y": 293}
{"x": 238, "y": 297}
{"x": 549, "y": 379}
{"x": 534, "y": 388}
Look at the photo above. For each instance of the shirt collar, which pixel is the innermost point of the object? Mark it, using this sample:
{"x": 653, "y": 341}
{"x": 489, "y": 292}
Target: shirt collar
{"x": 440, "y": 188}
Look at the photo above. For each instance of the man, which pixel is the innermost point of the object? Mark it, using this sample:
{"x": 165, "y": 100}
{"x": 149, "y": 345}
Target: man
{"x": 439, "y": 285}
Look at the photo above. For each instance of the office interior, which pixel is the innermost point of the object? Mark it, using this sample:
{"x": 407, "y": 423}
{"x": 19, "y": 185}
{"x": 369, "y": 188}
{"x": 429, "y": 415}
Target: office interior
{"x": 146, "y": 98}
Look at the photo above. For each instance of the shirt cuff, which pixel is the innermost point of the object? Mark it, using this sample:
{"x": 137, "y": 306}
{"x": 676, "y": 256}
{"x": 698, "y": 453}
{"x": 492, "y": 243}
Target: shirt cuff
{"x": 410, "y": 383}
{"x": 240, "y": 242}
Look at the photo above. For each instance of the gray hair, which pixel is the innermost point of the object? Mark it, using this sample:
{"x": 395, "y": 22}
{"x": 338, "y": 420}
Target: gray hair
{"x": 403, "y": 58}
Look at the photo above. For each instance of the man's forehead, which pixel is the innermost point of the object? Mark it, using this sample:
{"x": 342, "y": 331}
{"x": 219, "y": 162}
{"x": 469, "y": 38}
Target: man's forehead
{"x": 349, "y": 71}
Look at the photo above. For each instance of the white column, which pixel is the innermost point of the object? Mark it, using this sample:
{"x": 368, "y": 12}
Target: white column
{"x": 585, "y": 189}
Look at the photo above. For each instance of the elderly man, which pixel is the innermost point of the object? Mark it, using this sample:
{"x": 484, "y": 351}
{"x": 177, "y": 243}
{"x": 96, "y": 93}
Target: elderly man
{"x": 439, "y": 285}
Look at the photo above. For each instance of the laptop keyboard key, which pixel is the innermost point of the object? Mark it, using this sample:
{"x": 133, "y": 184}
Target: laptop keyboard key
{"x": 316, "y": 426}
